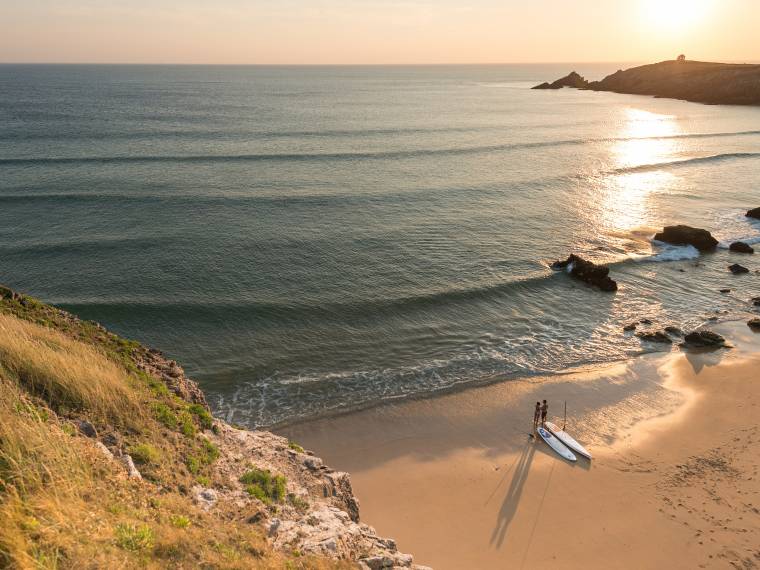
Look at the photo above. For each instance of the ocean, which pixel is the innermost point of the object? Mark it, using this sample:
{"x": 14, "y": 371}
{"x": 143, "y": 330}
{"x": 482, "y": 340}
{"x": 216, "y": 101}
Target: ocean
{"x": 308, "y": 240}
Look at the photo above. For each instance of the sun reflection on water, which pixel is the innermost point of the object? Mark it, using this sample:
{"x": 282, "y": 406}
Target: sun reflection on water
{"x": 645, "y": 138}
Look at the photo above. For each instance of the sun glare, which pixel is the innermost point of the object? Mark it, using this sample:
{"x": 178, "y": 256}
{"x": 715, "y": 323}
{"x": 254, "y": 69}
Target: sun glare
{"x": 676, "y": 16}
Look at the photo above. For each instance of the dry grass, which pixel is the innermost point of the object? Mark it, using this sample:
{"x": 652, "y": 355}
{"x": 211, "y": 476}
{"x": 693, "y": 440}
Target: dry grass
{"x": 64, "y": 504}
{"x": 68, "y": 375}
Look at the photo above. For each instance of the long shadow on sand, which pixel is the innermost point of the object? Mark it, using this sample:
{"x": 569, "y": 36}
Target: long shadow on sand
{"x": 509, "y": 506}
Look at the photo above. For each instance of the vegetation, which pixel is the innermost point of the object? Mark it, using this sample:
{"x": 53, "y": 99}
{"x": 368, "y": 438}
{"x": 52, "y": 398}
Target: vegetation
{"x": 66, "y": 504}
{"x": 267, "y": 488}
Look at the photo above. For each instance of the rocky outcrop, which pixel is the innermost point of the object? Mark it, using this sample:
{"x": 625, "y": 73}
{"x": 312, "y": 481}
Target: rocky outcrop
{"x": 656, "y": 336}
{"x": 153, "y": 362}
{"x": 754, "y": 213}
{"x": 573, "y": 79}
{"x": 741, "y": 247}
{"x": 737, "y": 269}
{"x": 754, "y": 324}
{"x": 320, "y": 514}
{"x": 697, "y": 81}
{"x": 686, "y": 235}
{"x": 588, "y": 272}
{"x": 704, "y": 338}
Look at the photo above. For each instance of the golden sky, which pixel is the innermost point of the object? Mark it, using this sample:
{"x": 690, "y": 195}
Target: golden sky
{"x": 377, "y": 31}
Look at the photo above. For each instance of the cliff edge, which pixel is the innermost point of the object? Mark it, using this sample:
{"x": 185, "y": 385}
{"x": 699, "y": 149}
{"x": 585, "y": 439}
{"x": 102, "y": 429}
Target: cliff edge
{"x": 110, "y": 458}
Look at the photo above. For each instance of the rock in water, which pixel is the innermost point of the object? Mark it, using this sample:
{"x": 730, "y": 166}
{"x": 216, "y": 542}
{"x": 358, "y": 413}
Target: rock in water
{"x": 686, "y": 235}
{"x": 754, "y": 324}
{"x": 737, "y": 269}
{"x": 754, "y": 213}
{"x": 588, "y": 272}
{"x": 572, "y": 79}
{"x": 741, "y": 247}
{"x": 704, "y": 338}
{"x": 658, "y": 336}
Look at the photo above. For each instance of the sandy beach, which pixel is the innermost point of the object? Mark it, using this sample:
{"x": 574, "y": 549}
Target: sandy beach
{"x": 674, "y": 480}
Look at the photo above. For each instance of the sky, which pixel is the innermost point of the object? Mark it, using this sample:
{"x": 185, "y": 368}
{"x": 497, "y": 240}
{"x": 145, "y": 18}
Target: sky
{"x": 376, "y": 31}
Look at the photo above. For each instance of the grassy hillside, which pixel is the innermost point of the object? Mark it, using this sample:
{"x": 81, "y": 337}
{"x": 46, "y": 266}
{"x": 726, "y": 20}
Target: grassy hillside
{"x": 66, "y": 499}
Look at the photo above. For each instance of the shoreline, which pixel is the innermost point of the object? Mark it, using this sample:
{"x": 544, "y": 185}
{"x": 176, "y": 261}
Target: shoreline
{"x": 432, "y": 473}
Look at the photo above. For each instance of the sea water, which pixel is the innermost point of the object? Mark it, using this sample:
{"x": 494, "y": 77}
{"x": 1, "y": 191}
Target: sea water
{"x": 306, "y": 240}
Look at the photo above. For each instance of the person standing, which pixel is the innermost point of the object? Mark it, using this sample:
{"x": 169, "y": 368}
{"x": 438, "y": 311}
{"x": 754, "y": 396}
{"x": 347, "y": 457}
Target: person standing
{"x": 544, "y": 412}
{"x": 536, "y": 416}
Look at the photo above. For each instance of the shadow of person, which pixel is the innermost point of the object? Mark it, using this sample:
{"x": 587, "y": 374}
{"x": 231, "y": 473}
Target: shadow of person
{"x": 512, "y": 499}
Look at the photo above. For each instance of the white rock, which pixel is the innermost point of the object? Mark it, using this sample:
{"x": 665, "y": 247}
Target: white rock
{"x": 132, "y": 471}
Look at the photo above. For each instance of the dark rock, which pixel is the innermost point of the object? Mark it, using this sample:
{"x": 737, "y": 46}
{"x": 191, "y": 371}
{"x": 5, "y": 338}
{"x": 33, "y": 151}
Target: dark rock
{"x": 630, "y": 327}
{"x": 737, "y": 269}
{"x": 686, "y": 235}
{"x": 741, "y": 247}
{"x": 704, "y": 338}
{"x": 754, "y": 324}
{"x": 658, "y": 336}
{"x": 725, "y": 290}
{"x": 87, "y": 429}
{"x": 113, "y": 441}
{"x": 8, "y": 293}
{"x": 673, "y": 330}
{"x": 257, "y": 517}
{"x": 588, "y": 272}
{"x": 754, "y": 213}
{"x": 572, "y": 79}
{"x": 756, "y": 301}
{"x": 646, "y": 321}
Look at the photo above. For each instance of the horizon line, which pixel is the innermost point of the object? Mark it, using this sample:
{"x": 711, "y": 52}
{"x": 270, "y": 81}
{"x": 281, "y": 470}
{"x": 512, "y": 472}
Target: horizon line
{"x": 385, "y": 64}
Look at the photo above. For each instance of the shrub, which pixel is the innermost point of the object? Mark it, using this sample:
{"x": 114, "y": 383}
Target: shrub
{"x": 144, "y": 453}
{"x": 206, "y": 454}
{"x": 260, "y": 483}
{"x": 134, "y": 538}
{"x": 180, "y": 521}
{"x": 205, "y": 420}
{"x": 165, "y": 415}
{"x": 295, "y": 447}
{"x": 186, "y": 424}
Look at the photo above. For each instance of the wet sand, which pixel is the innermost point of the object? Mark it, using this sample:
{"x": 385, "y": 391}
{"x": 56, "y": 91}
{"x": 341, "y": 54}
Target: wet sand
{"x": 674, "y": 481}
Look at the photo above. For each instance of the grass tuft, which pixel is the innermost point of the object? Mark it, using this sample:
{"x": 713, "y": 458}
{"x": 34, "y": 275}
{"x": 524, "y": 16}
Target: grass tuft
{"x": 134, "y": 537}
{"x": 260, "y": 483}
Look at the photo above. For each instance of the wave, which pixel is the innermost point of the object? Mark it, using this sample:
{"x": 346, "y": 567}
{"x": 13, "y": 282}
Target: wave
{"x": 280, "y": 310}
{"x": 84, "y": 247}
{"x": 379, "y": 155}
{"x": 669, "y": 252}
{"x": 687, "y": 162}
{"x": 329, "y": 133}
{"x": 725, "y": 244}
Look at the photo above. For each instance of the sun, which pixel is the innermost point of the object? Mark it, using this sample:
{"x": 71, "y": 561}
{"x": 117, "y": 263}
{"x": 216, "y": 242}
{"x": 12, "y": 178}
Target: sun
{"x": 675, "y": 16}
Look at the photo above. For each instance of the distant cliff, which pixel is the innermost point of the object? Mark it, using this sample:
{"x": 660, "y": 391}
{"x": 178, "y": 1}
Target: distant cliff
{"x": 697, "y": 81}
